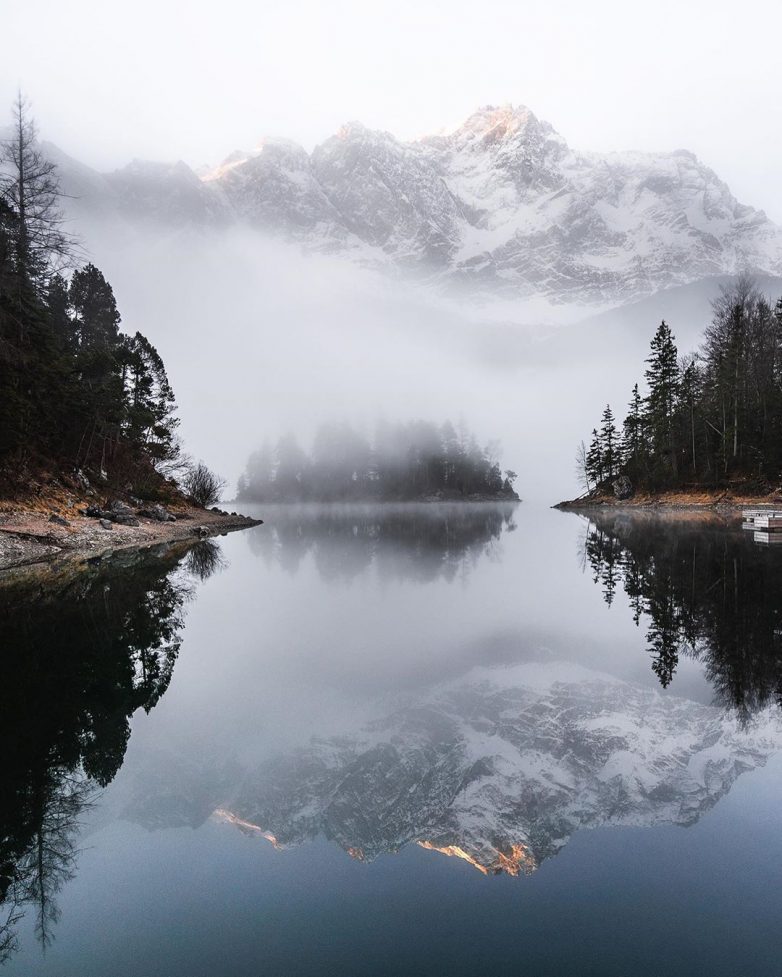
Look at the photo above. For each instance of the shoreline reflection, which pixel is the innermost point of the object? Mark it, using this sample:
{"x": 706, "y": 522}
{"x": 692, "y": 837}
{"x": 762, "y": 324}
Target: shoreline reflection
{"x": 83, "y": 648}
{"x": 701, "y": 588}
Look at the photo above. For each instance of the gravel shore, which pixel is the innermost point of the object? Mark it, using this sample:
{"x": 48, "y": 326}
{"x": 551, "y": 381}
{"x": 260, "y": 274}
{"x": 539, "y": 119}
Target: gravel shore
{"x": 33, "y": 535}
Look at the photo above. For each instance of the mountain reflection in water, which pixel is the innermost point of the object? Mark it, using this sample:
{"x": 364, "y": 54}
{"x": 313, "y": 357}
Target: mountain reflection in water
{"x": 416, "y": 677}
{"x": 501, "y": 767}
{"x": 83, "y": 648}
{"x": 701, "y": 588}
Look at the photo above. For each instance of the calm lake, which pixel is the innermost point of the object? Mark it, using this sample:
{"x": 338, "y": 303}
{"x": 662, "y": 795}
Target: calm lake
{"x": 399, "y": 740}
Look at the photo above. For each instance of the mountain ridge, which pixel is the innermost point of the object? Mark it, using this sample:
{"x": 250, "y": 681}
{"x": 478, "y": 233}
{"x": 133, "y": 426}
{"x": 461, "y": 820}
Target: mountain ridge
{"x": 501, "y": 205}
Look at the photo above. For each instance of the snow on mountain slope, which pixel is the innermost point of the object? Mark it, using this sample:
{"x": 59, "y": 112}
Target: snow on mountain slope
{"x": 503, "y": 766}
{"x": 501, "y": 206}
{"x": 274, "y": 187}
{"x": 389, "y": 195}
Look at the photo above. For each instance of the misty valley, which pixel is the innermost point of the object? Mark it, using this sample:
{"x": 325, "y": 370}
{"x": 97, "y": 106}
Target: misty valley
{"x": 384, "y": 701}
{"x": 390, "y": 490}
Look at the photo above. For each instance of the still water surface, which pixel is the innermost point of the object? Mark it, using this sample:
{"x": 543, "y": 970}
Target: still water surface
{"x": 408, "y": 740}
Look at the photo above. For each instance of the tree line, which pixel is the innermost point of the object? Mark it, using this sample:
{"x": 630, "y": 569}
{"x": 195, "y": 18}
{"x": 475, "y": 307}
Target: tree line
{"x": 403, "y": 461}
{"x": 75, "y": 391}
{"x": 705, "y": 419}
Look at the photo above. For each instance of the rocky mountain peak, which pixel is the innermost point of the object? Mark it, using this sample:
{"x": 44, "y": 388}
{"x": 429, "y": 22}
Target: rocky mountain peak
{"x": 501, "y": 206}
{"x": 493, "y": 123}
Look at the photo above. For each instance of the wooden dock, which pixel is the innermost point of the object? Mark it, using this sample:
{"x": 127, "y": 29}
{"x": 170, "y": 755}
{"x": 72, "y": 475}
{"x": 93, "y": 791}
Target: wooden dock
{"x": 767, "y": 538}
{"x": 764, "y": 524}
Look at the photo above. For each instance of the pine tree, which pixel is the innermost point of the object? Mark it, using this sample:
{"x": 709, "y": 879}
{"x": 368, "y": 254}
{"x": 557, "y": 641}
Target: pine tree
{"x": 58, "y": 304}
{"x": 149, "y": 420}
{"x": 662, "y": 377}
{"x": 689, "y": 392}
{"x": 608, "y": 443}
{"x": 95, "y": 309}
{"x": 633, "y": 435}
{"x": 100, "y": 362}
{"x": 594, "y": 460}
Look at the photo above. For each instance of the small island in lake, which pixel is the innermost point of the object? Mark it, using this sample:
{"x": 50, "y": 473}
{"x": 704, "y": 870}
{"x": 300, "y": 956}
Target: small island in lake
{"x": 404, "y": 462}
{"x": 708, "y": 431}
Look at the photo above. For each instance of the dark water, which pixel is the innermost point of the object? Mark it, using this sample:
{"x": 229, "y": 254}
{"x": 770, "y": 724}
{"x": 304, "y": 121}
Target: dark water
{"x": 402, "y": 740}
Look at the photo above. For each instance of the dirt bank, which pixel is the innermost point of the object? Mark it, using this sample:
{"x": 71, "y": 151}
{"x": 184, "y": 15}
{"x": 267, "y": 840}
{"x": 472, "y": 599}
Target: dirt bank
{"x": 726, "y": 500}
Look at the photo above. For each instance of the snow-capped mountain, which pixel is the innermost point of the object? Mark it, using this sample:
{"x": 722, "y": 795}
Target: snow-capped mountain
{"x": 502, "y": 205}
{"x": 501, "y": 767}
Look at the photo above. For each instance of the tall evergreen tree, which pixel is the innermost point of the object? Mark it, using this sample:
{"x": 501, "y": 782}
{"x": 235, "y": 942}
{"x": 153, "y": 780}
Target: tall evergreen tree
{"x": 633, "y": 435}
{"x": 594, "y": 460}
{"x": 662, "y": 378}
{"x": 609, "y": 445}
{"x": 688, "y": 394}
{"x": 150, "y": 408}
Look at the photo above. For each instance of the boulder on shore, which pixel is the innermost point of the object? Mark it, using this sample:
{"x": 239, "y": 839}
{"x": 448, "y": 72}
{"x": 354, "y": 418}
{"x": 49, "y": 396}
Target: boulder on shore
{"x": 157, "y": 512}
{"x": 623, "y": 488}
{"x": 116, "y": 511}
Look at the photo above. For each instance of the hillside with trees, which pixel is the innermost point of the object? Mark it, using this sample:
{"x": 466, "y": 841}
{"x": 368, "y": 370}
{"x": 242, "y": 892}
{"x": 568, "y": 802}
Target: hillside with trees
{"x": 402, "y": 462}
{"x": 707, "y": 420}
{"x": 76, "y": 393}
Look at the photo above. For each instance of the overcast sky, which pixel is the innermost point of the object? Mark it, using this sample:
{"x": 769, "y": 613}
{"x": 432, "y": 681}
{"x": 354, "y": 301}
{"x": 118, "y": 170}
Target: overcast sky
{"x": 158, "y": 79}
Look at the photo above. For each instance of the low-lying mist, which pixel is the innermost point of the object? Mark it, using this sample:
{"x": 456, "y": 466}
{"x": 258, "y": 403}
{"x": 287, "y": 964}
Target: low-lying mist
{"x": 260, "y": 341}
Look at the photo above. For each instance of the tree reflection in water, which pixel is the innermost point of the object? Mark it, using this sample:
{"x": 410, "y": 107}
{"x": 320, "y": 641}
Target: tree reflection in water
{"x": 415, "y": 542}
{"x": 701, "y": 588}
{"x": 83, "y": 648}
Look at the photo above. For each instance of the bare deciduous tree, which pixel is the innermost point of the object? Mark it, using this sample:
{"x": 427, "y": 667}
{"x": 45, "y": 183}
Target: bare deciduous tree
{"x": 202, "y": 485}
{"x": 30, "y": 186}
{"x": 582, "y": 467}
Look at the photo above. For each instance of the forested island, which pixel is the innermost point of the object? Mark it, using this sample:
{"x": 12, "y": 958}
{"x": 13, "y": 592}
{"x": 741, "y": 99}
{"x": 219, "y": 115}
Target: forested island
{"x": 411, "y": 461}
{"x": 87, "y": 413}
{"x": 709, "y": 422}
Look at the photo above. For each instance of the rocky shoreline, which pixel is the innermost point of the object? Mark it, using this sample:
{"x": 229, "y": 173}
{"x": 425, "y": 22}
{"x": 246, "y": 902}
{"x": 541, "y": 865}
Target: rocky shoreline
{"x": 717, "y": 501}
{"x": 78, "y": 529}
